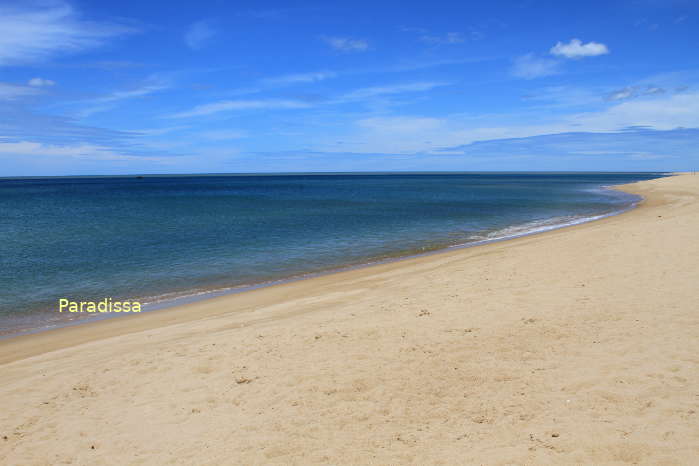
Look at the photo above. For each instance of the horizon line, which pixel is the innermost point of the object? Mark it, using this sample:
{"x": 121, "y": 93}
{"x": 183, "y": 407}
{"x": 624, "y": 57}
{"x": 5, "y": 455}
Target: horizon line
{"x": 312, "y": 173}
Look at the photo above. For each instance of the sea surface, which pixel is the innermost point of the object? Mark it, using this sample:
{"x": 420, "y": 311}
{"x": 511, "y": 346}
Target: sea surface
{"x": 157, "y": 238}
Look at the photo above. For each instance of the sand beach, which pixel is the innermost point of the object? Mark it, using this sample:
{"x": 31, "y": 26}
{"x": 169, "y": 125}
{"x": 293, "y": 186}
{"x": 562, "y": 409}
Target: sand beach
{"x": 574, "y": 346}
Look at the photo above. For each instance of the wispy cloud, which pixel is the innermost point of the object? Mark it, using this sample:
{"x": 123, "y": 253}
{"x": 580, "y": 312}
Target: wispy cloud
{"x": 552, "y": 97}
{"x": 108, "y": 101}
{"x": 158, "y": 131}
{"x": 285, "y": 80}
{"x": 223, "y": 135}
{"x": 228, "y": 105}
{"x": 357, "y": 95}
{"x": 40, "y": 82}
{"x": 403, "y": 67}
{"x": 368, "y": 92}
{"x": 621, "y": 94}
{"x": 311, "y": 77}
{"x": 109, "y": 65}
{"x": 347, "y": 44}
{"x": 13, "y": 91}
{"x": 446, "y": 39}
{"x": 81, "y": 150}
{"x": 576, "y": 49}
{"x": 400, "y": 124}
{"x": 656, "y": 111}
{"x": 419, "y": 133}
{"x": 277, "y": 13}
{"x": 132, "y": 93}
{"x": 530, "y": 66}
{"x": 318, "y": 76}
{"x": 646, "y": 24}
{"x": 18, "y": 123}
{"x": 36, "y": 34}
{"x": 634, "y": 91}
{"x": 41, "y": 144}
{"x": 640, "y": 144}
{"x": 199, "y": 34}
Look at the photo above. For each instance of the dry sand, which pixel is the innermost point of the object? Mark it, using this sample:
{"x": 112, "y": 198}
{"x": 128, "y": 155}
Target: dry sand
{"x": 577, "y": 346}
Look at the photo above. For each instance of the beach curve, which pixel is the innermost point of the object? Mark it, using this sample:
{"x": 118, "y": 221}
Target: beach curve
{"x": 573, "y": 345}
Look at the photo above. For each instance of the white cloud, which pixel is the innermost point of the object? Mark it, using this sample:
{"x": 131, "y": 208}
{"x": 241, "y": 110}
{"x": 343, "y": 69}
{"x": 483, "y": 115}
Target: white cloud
{"x": 530, "y": 66}
{"x": 31, "y": 35}
{"x": 13, "y": 91}
{"x": 576, "y": 49}
{"x": 227, "y": 105}
{"x": 346, "y": 44}
{"x": 40, "y": 82}
{"x": 198, "y": 35}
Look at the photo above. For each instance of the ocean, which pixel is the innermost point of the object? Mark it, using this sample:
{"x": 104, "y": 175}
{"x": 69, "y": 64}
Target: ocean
{"x": 162, "y": 238}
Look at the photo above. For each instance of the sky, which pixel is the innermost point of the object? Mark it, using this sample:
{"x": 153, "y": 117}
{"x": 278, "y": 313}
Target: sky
{"x": 125, "y": 87}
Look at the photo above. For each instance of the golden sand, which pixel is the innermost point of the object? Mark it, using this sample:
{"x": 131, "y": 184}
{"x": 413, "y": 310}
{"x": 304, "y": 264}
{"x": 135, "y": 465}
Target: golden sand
{"x": 576, "y": 346}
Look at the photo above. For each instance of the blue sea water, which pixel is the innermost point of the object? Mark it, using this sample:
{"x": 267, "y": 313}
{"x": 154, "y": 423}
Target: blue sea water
{"x": 155, "y": 238}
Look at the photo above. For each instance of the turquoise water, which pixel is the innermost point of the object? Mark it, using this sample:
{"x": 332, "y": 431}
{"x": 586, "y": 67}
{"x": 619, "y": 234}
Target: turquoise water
{"x": 159, "y": 237}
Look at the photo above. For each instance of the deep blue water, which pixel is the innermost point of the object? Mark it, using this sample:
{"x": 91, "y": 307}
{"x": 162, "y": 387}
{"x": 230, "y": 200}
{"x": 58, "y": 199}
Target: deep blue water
{"x": 158, "y": 237}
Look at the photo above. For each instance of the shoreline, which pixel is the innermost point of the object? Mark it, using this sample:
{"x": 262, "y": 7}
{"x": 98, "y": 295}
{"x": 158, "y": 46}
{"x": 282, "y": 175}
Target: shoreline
{"x": 173, "y": 304}
{"x": 572, "y": 346}
{"x": 193, "y": 296}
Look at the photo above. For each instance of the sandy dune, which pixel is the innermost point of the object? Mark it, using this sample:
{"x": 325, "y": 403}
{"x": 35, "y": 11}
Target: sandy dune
{"x": 577, "y": 346}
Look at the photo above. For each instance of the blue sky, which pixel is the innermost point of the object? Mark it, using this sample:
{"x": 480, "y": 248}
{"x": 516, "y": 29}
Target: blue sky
{"x": 215, "y": 86}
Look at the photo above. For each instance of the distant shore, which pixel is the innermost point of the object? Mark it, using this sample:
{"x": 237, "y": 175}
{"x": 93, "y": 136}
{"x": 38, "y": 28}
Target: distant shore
{"x": 575, "y": 345}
